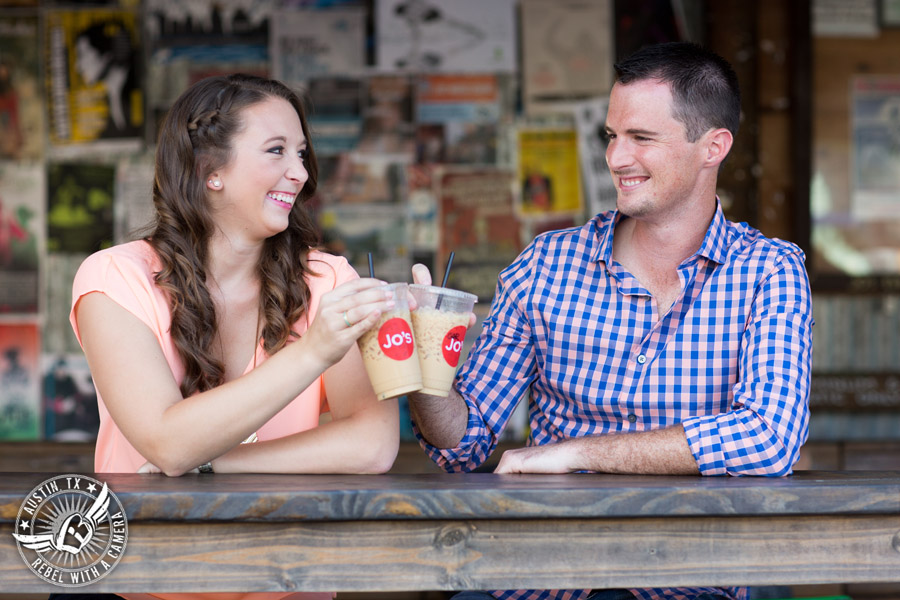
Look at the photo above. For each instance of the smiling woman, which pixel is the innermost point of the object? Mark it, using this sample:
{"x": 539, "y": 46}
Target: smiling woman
{"x": 225, "y": 324}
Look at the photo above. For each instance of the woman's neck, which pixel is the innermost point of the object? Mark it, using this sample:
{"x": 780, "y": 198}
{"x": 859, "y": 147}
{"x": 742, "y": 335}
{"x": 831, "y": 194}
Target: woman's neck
{"x": 233, "y": 265}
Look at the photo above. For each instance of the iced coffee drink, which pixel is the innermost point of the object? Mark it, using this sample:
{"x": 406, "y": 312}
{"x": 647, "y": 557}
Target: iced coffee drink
{"x": 439, "y": 323}
{"x": 389, "y": 351}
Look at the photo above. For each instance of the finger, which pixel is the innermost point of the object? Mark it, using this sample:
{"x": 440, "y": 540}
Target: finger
{"x": 421, "y": 274}
{"x": 358, "y": 306}
{"x": 472, "y": 319}
{"x": 364, "y": 324}
{"x": 355, "y": 286}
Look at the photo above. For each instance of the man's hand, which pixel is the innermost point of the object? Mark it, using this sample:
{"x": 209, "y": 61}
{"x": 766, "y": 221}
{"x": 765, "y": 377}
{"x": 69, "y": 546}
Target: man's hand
{"x": 551, "y": 458}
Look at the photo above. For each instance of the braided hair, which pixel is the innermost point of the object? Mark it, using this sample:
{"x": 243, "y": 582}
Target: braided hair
{"x": 194, "y": 140}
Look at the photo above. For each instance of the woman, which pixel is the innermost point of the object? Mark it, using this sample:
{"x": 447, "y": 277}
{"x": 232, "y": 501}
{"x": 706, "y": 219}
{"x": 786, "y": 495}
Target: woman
{"x": 224, "y": 324}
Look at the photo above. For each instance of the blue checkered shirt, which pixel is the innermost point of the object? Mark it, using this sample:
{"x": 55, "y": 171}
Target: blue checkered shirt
{"x": 575, "y": 332}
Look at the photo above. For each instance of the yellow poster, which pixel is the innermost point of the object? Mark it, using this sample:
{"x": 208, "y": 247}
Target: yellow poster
{"x": 549, "y": 178}
{"x": 93, "y": 90}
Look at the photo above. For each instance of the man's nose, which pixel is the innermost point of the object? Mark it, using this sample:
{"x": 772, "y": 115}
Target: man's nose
{"x": 618, "y": 154}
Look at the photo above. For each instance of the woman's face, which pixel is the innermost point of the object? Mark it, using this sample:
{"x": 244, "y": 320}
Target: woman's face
{"x": 264, "y": 177}
{"x": 88, "y": 61}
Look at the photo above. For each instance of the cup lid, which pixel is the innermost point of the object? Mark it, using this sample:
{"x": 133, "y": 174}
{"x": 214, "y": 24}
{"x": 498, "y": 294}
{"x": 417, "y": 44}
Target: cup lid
{"x": 433, "y": 289}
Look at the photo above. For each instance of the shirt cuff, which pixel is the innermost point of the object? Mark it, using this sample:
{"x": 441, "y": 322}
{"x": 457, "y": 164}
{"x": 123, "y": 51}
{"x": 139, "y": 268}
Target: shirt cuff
{"x": 460, "y": 458}
{"x": 703, "y": 438}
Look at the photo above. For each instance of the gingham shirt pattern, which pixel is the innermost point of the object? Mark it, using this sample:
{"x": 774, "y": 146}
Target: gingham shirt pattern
{"x": 730, "y": 360}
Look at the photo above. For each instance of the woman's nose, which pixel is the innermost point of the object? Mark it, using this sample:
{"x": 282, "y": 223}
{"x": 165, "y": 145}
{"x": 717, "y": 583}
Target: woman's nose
{"x": 297, "y": 171}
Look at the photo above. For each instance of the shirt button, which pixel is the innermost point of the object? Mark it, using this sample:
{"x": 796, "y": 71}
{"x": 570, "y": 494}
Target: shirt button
{"x": 641, "y": 359}
{"x": 632, "y": 418}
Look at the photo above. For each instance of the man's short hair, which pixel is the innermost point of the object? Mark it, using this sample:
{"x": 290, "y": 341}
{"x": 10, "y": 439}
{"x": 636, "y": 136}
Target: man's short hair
{"x": 704, "y": 86}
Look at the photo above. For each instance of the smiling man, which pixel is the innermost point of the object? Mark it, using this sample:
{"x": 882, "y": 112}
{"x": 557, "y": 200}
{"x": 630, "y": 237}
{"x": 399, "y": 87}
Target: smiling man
{"x": 658, "y": 338}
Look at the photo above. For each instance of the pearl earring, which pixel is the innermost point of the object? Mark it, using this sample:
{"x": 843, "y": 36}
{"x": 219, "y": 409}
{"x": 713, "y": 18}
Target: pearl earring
{"x": 215, "y": 183}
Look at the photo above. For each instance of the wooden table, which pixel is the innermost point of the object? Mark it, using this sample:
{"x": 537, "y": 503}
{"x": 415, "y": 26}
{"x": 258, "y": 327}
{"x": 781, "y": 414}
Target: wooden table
{"x": 218, "y": 533}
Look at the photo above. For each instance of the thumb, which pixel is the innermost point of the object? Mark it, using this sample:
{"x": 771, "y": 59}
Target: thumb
{"x": 421, "y": 274}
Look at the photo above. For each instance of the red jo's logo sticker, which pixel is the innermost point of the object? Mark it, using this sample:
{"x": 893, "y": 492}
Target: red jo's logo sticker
{"x": 395, "y": 338}
{"x": 452, "y": 345}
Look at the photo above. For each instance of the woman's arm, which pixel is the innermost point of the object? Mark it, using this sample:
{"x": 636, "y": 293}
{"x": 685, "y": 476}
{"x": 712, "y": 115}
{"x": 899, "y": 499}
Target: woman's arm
{"x": 362, "y": 437}
{"x": 175, "y": 434}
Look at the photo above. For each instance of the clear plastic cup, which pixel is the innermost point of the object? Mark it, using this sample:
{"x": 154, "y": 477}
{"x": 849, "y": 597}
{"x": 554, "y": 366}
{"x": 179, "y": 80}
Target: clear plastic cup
{"x": 439, "y": 323}
{"x": 389, "y": 350}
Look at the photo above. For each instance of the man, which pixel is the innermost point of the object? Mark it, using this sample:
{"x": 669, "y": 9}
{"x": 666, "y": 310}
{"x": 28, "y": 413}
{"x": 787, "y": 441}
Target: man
{"x": 658, "y": 338}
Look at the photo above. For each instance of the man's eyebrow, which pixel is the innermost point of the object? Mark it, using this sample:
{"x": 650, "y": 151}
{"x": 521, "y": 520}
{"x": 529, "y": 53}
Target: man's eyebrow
{"x": 641, "y": 132}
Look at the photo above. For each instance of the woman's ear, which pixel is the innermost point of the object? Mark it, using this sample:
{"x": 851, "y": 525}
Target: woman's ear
{"x": 213, "y": 182}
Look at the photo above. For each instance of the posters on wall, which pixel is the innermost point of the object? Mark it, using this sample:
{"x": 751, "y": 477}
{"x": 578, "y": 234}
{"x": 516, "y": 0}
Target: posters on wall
{"x": 79, "y": 207}
{"x": 548, "y": 170}
{"x": 133, "y": 209}
{"x": 845, "y": 18}
{"x": 317, "y": 43}
{"x": 20, "y": 396}
{"x": 876, "y": 148}
{"x": 422, "y": 210}
{"x": 457, "y": 118}
{"x": 21, "y": 236}
{"x": 388, "y": 117}
{"x": 567, "y": 51}
{"x": 21, "y": 100}
{"x": 599, "y": 187}
{"x": 56, "y": 334}
{"x": 334, "y": 113}
{"x": 70, "y": 399}
{"x": 478, "y": 223}
{"x": 93, "y": 84}
{"x": 430, "y": 36}
{"x": 188, "y": 41}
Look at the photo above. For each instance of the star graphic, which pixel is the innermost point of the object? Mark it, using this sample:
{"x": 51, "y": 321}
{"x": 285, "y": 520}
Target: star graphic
{"x": 92, "y": 488}
{"x": 23, "y": 524}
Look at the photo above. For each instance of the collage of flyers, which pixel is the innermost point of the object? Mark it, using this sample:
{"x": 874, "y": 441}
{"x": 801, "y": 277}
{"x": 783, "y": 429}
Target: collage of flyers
{"x": 465, "y": 127}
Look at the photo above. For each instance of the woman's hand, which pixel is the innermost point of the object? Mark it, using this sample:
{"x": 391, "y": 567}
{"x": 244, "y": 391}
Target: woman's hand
{"x": 345, "y": 313}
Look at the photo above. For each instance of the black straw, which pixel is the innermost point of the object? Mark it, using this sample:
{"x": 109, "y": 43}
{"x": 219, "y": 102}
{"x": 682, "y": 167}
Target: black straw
{"x": 447, "y": 269}
{"x": 437, "y": 305}
{"x": 371, "y": 268}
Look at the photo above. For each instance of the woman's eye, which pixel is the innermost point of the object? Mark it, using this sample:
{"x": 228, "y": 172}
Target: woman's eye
{"x": 303, "y": 154}
{"x": 277, "y": 150}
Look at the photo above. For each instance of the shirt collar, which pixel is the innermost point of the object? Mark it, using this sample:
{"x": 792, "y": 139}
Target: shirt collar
{"x": 714, "y": 246}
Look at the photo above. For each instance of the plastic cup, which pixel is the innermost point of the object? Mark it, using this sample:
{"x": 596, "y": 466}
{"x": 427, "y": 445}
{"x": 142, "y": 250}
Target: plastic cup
{"x": 389, "y": 350}
{"x": 439, "y": 323}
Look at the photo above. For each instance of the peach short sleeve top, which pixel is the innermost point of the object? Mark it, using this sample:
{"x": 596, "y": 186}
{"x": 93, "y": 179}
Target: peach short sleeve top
{"x": 125, "y": 274}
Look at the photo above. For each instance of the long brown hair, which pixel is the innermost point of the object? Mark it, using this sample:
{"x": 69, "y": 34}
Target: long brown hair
{"x": 195, "y": 139}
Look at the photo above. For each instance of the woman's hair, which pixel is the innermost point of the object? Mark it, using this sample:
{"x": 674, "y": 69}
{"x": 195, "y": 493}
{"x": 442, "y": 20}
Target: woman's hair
{"x": 195, "y": 139}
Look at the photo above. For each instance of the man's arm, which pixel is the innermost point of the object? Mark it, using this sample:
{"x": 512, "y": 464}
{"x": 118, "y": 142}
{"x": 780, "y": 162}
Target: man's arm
{"x": 441, "y": 421}
{"x": 657, "y": 452}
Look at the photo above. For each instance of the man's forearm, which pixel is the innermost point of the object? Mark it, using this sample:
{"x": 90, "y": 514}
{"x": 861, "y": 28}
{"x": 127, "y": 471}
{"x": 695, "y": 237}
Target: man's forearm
{"x": 441, "y": 421}
{"x": 658, "y": 452}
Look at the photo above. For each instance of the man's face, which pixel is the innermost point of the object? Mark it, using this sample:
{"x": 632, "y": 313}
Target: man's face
{"x": 654, "y": 167}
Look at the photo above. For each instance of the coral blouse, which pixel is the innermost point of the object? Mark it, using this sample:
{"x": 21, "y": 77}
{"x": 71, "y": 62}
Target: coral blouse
{"x": 125, "y": 274}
